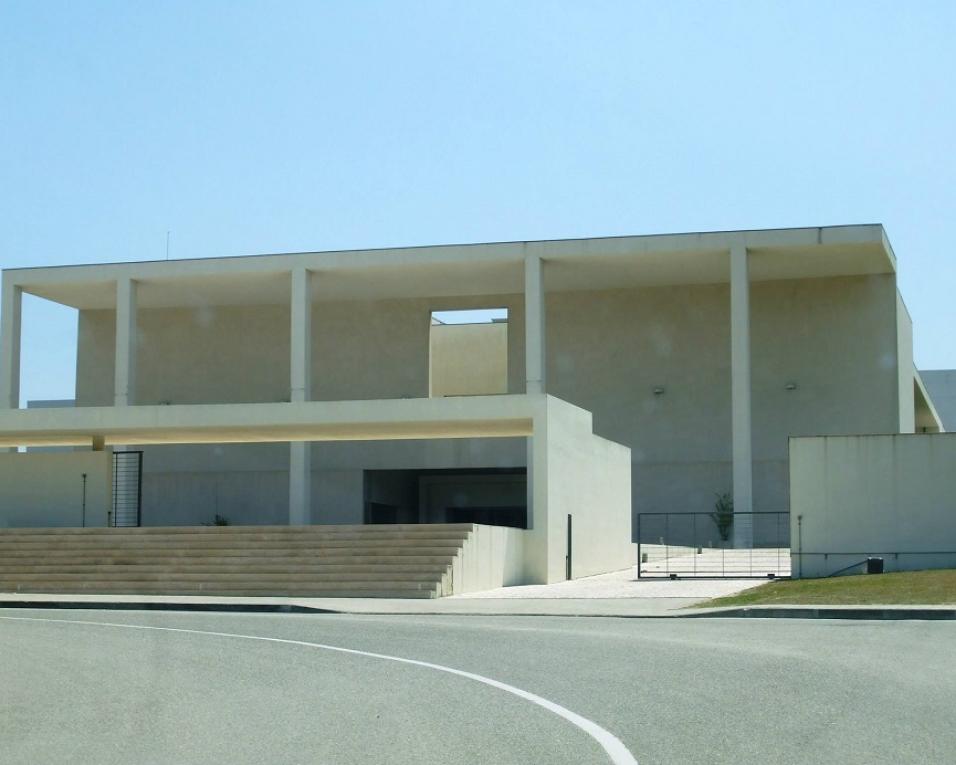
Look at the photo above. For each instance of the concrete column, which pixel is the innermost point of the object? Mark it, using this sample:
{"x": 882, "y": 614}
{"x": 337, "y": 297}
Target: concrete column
{"x": 124, "y": 380}
{"x": 301, "y": 335}
{"x": 300, "y": 376}
{"x": 534, "y": 325}
{"x": 300, "y": 483}
{"x": 537, "y": 542}
{"x": 11, "y": 302}
{"x": 740, "y": 394}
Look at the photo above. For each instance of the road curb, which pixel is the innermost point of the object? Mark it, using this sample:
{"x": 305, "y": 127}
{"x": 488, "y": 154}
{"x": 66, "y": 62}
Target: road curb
{"x": 873, "y": 613}
{"x": 92, "y": 605}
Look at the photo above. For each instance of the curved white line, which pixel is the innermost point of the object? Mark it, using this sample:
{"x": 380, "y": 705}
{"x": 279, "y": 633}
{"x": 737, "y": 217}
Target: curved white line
{"x": 612, "y": 745}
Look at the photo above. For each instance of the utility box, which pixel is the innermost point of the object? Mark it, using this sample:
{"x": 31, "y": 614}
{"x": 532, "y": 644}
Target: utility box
{"x": 874, "y": 565}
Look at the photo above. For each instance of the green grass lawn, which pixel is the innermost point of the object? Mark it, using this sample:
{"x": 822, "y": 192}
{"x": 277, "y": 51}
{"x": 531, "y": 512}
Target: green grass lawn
{"x": 903, "y": 588}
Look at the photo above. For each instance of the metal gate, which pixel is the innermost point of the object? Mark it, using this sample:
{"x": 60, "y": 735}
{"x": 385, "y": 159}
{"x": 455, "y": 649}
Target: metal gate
{"x": 127, "y": 489}
{"x": 713, "y": 545}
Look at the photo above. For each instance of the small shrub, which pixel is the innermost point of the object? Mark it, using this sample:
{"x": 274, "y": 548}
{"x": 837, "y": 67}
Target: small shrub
{"x": 219, "y": 520}
{"x": 723, "y": 515}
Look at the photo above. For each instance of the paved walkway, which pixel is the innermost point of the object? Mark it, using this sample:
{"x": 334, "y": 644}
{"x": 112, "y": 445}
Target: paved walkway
{"x": 621, "y": 584}
{"x": 616, "y": 594}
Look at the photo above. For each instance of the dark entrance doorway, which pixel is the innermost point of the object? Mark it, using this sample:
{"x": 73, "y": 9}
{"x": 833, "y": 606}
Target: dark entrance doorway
{"x": 490, "y": 496}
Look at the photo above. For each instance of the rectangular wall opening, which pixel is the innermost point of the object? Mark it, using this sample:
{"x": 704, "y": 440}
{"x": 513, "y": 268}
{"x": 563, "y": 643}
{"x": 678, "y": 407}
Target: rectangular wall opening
{"x": 468, "y": 352}
{"x": 47, "y": 353}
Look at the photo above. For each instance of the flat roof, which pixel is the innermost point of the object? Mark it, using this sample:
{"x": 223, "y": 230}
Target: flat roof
{"x": 471, "y": 269}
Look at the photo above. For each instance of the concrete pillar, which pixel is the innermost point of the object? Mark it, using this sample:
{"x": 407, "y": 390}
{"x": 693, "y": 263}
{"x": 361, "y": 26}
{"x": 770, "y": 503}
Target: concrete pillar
{"x": 11, "y": 302}
{"x": 301, "y": 335}
{"x": 537, "y": 542}
{"x": 534, "y": 325}
{"x": 300, "y": 376}
{"x": 124, "y": 379}
{"x": 740, "y": 395}
{"x": 536, "y": 553}
{"x": 300, "y": 483}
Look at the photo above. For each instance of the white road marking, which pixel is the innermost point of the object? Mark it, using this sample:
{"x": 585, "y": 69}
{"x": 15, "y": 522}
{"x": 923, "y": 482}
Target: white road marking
{"x": 612, "y": 745}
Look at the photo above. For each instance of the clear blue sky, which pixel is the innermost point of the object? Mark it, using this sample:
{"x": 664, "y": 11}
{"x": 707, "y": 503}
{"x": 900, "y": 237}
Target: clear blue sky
{"x": 261, "y": 127}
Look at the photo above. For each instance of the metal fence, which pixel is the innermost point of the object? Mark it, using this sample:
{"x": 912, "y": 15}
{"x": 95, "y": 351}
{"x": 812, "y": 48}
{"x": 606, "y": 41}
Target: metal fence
{"x": 673, "y": 545}
{"x": 127, "y": 489}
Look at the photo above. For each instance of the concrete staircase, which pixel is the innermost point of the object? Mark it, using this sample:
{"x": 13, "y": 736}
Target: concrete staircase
{"x": 380, "y": 561}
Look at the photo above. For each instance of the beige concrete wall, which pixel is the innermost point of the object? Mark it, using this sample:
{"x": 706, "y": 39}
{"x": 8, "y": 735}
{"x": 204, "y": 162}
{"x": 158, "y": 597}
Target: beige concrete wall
{"x": 247, "y": 497}
{"x": 927, "y": 418}
{"x": 906, "y": 370}
{"x": 95, "y": 357}
{"x": 248, "y": 483}
{"x": 44, "y": 489}
{"x": 491, "y": 557}
{"x": 941, "y": 387}
{"x": 190, "y": 484}
{"x": 891, "y": 496}
{"x": 469, "y": 359}
{"x": 236, "y": 354}
{"x": 216, "y": 354}
{"x": 836, "y": 339}
{"x": 575, "y": 472}
{"x": 380, "y": 349}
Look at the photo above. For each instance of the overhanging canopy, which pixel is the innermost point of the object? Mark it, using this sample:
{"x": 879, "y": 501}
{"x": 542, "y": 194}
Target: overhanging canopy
{"x": 464, "y": 417}
{"x": 472, "y": 269}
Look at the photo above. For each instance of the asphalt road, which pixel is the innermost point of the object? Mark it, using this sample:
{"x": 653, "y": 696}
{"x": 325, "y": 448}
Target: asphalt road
{"x": 672, "y": 691}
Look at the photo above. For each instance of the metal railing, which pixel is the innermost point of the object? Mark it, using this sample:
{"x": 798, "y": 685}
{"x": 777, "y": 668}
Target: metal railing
{"x": 127, "y": 489}
{"x": 713, "y": 545}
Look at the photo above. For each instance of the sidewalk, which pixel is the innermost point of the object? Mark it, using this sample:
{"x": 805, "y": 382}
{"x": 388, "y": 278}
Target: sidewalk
{"x": 618, "y": 594}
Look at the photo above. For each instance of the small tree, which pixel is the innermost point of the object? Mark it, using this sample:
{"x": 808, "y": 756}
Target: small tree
{"x": 723, "y": 515}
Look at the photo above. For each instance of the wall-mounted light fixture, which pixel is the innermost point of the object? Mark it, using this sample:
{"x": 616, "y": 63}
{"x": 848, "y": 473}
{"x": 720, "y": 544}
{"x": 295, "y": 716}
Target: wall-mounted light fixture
{"x": 790, "y": 386}
{"x": 658, "y": 390}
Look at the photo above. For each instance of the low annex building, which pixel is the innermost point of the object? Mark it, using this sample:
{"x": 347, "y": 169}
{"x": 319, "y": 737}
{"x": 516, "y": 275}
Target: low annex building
{"x": 604, "y": 378}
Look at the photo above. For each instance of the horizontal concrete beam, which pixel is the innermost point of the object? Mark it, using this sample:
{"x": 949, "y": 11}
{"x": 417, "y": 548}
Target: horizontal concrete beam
{"x": 422, "y": 418}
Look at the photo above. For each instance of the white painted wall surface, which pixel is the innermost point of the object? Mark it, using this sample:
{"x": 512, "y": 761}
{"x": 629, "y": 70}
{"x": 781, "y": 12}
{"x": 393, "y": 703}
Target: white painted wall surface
{"x": 855, "y": 496}
{"x": 46, "y": 489}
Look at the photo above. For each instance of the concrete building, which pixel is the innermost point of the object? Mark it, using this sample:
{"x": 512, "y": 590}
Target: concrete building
{"x": 941, "y": 388}
{"x": 316, "y": 388}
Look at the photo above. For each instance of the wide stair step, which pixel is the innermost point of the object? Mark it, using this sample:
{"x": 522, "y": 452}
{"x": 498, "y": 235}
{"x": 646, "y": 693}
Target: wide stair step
{"x": 308, "y": 561}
